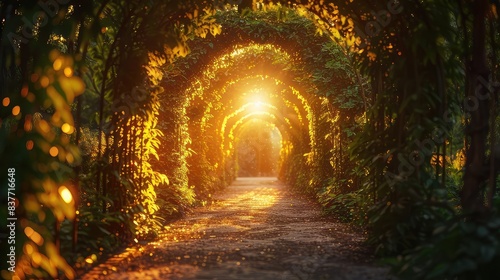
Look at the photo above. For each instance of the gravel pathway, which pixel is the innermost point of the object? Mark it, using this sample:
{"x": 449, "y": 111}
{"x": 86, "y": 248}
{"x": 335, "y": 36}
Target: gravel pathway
{"x": 256, "y": 229}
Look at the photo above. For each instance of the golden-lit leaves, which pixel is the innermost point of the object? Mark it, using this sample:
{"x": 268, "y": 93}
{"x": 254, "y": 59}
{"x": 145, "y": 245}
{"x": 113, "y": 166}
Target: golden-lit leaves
{"x": 61, "y": 76}
{"x": 153, "y": 69}
{"x": 43, "y": 127}
{"x": 62, "y": 86}
{"x": 72, "y": 86}
{"x": 40, "y": 253}
{"x": 372, "y": 56}
{"x": 48, "y": 84}
{"x": 60, "y": 104}
{"x": 248, "y": 116}
{"x": 215, "y": 29}
{"x": 55, "y": 196}
{"x": 28, "y": 249}
{"x": 221, "y": 68}
{"x": 34, "y": 235}
{"x": 37, "y": 259}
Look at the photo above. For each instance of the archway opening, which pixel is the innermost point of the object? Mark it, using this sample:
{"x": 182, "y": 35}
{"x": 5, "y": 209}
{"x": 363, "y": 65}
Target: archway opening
{"x": 258, "y": 147}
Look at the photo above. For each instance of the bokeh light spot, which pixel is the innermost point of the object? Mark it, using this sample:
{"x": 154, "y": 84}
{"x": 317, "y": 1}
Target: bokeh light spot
{"x": 28, "y": 124}
{"x": 28, "y": 231}
{"x": 44, "y": 81}
{"x": 57, "y": 64}
{"x": 70, "y": 158}
{"x": 65, "y": 194}
{"x": 68, "y": 72}
{"x": 6, "y": 101}
{"x": 29, "y": 145}
{"x": 37, "y": 258}
{"x": 54, "y": 151}
{"x": 16, "y": 110}
{"x": 44, "y": 126}
{"x": 34, "y": 77}
{"x": 28, "y": 249}
{"x": 24, "y": 91}
{"x": 67, "y": 128}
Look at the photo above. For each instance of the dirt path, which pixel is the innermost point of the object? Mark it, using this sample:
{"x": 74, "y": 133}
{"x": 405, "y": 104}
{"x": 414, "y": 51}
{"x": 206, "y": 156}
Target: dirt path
{"x": 255, "y": 230}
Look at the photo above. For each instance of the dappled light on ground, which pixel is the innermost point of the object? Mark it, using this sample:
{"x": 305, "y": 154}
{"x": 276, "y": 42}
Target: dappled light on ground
{"x": 255, "y": 230}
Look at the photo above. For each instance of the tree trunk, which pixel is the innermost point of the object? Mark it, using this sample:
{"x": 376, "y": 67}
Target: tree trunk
{"x": 472, "y": 199}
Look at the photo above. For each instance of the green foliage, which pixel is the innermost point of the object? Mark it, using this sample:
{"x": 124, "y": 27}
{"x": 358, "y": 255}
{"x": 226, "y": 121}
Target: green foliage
{"x": 36, "y": 126}
{"x": 456, "y": 250}
{"x": 174, "y": 201}
{"x": 348, "y": 207}
{"x": 405, "y": 216}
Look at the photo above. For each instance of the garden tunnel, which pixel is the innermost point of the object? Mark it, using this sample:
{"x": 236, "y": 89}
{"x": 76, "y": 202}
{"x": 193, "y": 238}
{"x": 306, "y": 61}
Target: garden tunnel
{"x": 162, "y": 140}
{"x": 237, "y": 76}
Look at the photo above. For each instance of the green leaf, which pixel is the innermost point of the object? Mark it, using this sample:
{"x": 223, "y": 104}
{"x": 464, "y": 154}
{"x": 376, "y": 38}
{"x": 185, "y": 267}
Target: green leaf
{"x": 438, "y": 272}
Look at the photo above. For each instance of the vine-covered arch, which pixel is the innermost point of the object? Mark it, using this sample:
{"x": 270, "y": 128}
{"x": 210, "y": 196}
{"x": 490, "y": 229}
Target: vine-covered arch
{"x": 223, "y": 70}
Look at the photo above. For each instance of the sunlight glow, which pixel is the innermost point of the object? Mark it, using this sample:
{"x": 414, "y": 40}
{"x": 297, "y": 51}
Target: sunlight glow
{"x": 258, "y": 105}
{"x": 245, "y": 117}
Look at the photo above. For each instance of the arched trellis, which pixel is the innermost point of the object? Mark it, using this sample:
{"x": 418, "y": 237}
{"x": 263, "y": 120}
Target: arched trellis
{"x": 233, "y": 40}
{"x": 295, "y": 132}
{"x": 285, "y": 131}
{"x": 294, "y": 105}
{"x": 222, "y": 78}
{"x": 287, "y": 96}
{"x": 363, "y": 17}
{"x": 291, "y": 102}
{"x": 220, "y": 75}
